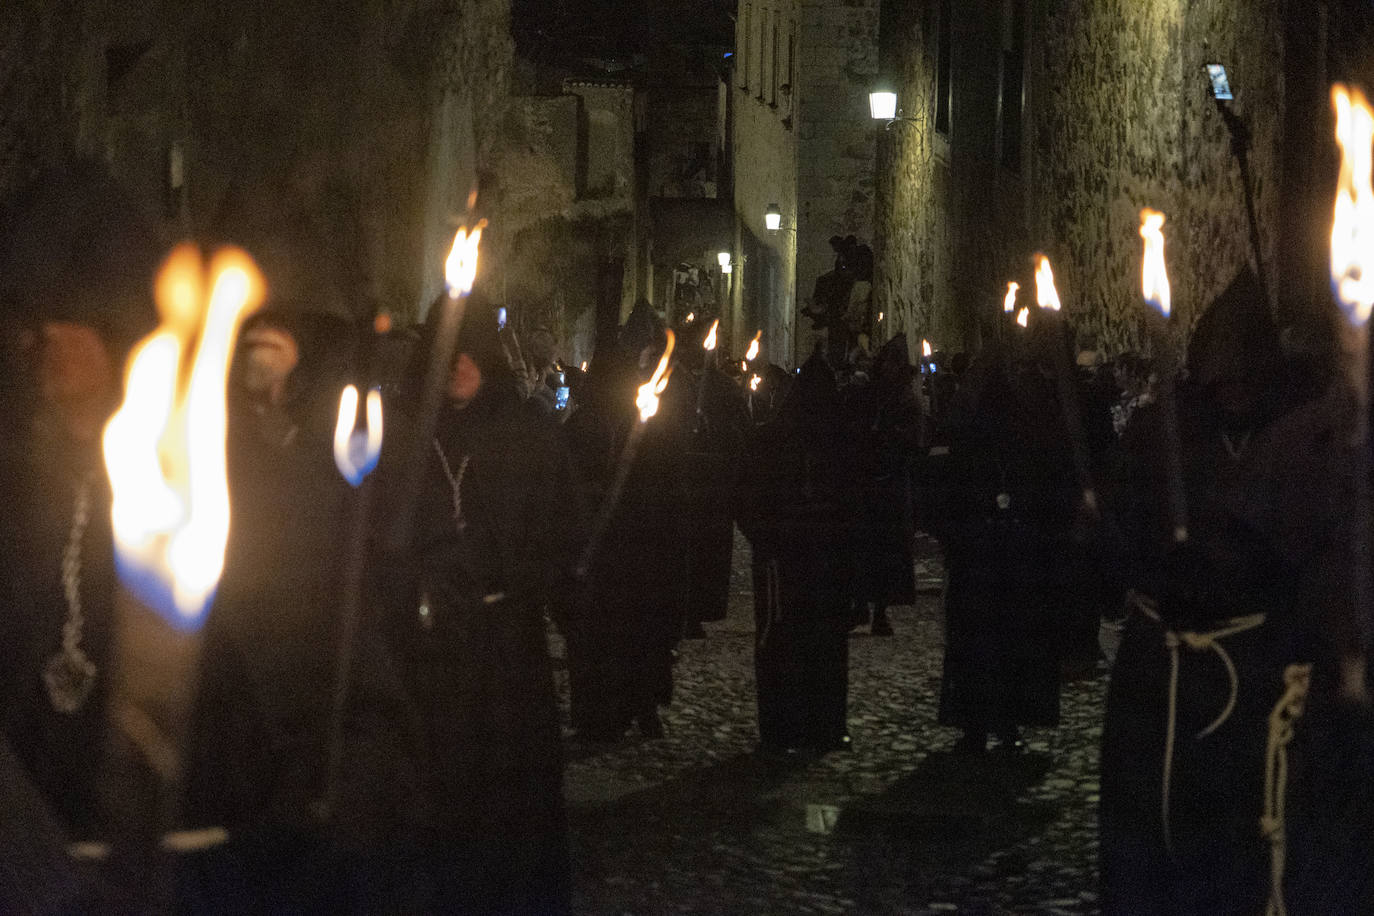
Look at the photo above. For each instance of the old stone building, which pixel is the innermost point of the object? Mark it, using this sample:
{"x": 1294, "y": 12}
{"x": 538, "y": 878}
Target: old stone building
{"x": 1038, "y": 126}
{"x": 615, "y": 152}
{"x": 687, "y": 178}
{"x": 564, "y": 180}
{"x": 802, "y": 140}
{"x": 337, "y": 141}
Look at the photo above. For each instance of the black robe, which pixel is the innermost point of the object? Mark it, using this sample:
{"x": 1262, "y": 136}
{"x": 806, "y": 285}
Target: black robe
{"x": 712, "y": 467}
{"x": 1266, "y": 565}
{"x": 62, "y": 752}
{"x": 796, "y": 499}
{"x": 1007, "y": 552}
{"x": 884, "y": 425}
{"x": 623, "y": 633}
{"x": 497, "y": 529}
{"x": 269, "y": 671}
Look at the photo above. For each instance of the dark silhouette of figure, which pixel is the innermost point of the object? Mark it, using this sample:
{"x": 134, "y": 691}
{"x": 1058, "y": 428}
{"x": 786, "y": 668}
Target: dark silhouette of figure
{"x": 623, "y": 632}
{"x": 1006, "y": 537}
{"x": 1228, "y": 629}
{"x": 883, "y": 417}
{"x": 496, "y": 533}
{"x": 796, "y": 507}
{"x": 712, "y": 466}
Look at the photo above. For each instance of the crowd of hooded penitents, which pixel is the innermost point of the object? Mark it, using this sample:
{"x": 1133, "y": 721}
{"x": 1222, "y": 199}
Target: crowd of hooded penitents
{"x": 396, "y": 745}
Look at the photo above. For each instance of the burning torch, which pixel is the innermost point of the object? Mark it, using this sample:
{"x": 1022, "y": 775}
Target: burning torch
{"x": 1154, "y": 281}
{"x": 1047, "y": 297}
{"x": 646, "y": 401}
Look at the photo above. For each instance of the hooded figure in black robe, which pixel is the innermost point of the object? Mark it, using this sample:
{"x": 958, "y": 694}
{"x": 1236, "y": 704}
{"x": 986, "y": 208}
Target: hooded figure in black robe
{"x": 76, "y": 261}
{"x": 496, "y": 532}
{"x": 270, "y": 666}
{"x": 796, "y": 507}
{"x": 1229, "y": 628}
{"x": 712, "y": 465}
{"x": 1006, "y": 535}
{"x": 622, "y": 637}
{"x": 884, "y": 420}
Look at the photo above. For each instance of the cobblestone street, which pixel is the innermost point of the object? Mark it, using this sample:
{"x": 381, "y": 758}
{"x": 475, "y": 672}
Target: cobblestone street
{"x": 698, "y": 823}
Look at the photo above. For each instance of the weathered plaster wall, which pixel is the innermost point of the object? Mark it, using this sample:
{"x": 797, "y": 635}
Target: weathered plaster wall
{"x": 835, "y": 174}
{"x": 766, "y": 172}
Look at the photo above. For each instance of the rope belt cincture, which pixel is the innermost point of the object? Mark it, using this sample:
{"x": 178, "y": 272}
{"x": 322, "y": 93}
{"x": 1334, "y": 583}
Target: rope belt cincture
{"x": 1296, "y": 680}
{"x": 1283, "y": 716}
{"x": 1198, "y": 642}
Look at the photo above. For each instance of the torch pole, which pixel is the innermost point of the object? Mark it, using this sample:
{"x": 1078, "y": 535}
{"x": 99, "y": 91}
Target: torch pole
{"x": 701, "y": 389}
{"x": 349, "y": 617}
{"x": 1355, "y": 341}
{"x": 1158, "y": 330}
{"x": 153, "y": 688}
{"x": 443, "y": 347}
{"x": 1240, "y": 146}
{"x": 1068, "y": 399}
{"x": 603, "y": 518}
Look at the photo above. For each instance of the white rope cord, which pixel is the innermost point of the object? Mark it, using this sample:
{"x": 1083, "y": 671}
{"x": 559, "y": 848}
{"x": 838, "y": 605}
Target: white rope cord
{"x": 1197, "y": 641}
{"x": 1297, "y": 679}
{"x": 455, "y": 481}
{"x": 69, "y": 675}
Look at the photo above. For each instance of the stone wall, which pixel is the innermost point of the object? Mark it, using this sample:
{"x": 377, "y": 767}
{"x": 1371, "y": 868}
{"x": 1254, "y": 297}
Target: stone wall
{"x": 1122, "y": 120}
{"x": 338, "y": 142}
{"x": 607, "y": 134}
{"x": 681, "y": 140}
{"x": 40, "y": 62}
{"x": 911, "y": 235}
{"x": 1117, "y": 117}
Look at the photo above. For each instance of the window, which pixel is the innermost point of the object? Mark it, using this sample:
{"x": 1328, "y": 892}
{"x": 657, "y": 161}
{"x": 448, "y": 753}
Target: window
{"x": 762, "y": 49}
{"x": 944, "y": 55}
{"x": 773, "y": 70}
{"x": 742, "y": 44}
{"x": 792, "y": 62}
{"x": 1011, "y": 102}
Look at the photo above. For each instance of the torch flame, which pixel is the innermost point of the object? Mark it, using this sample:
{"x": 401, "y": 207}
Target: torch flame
{"x": 691, "y": 316}
{"x": 1046, "y": 296}
{"x": 1009, "y": 302}
{"x": 647, "y": 401}
{"x": 754, "y": 383}
{"x": 460, "y": 270}
{"x": 753, "y": 351}
{"x": 1154, "y": 277}
{"x": 710, "y": 342}
{"x": 165, "y": 446}
{"x": 356, "y": 451}
{"x": 925, "y": 348}
{"x": 583, "y": 367}
{"x": 1023, "y": 317}
{"x": 1352, "y": 231}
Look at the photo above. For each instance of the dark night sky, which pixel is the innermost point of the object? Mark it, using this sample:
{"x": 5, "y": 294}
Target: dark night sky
{"x": 628, "y": 24}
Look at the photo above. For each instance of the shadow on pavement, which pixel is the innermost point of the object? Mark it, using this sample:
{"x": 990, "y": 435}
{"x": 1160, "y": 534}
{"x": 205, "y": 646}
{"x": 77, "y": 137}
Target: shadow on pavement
{"x": 954, "y": 810}
{"x": 723, "y": 834}
{"x": 691, "y": 838}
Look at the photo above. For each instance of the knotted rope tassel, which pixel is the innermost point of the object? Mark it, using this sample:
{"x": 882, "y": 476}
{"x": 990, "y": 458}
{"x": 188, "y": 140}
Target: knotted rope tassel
{"x": 1286, "y": 712}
